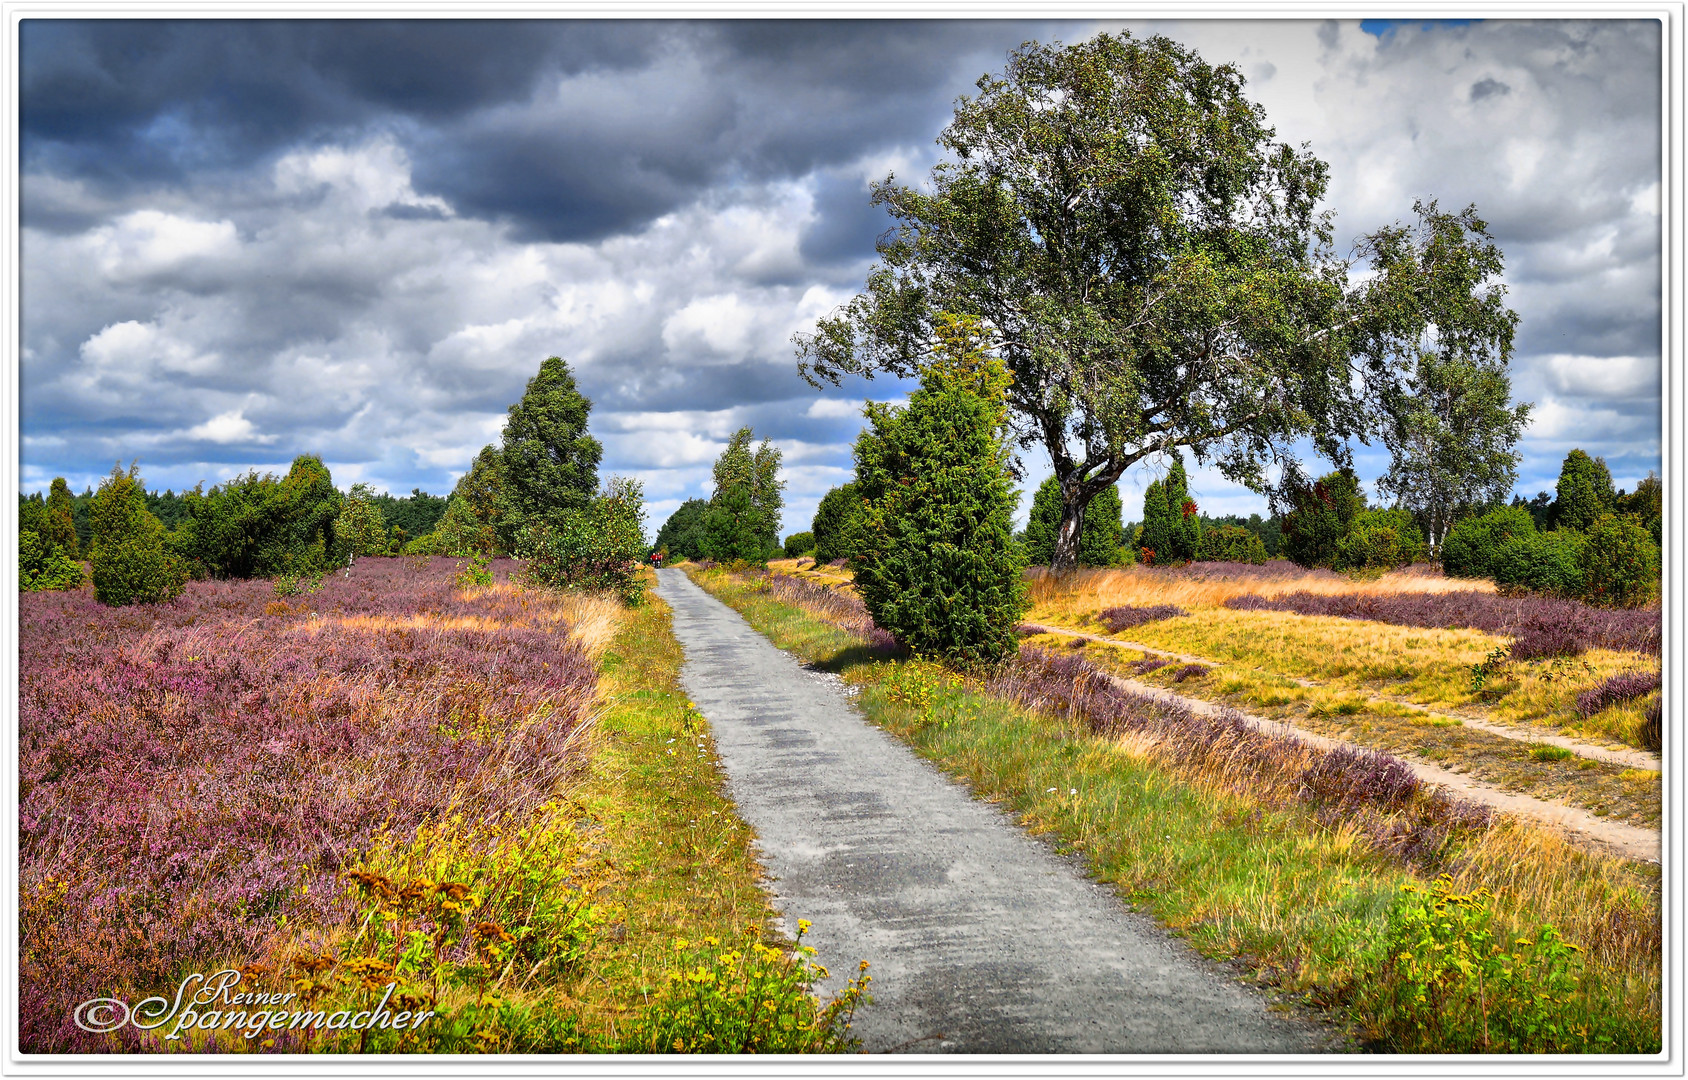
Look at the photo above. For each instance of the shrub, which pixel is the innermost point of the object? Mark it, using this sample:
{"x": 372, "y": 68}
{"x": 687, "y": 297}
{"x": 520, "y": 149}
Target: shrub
{"x": 1446, "y": 985}
{"x": 749, "y": 1000}
{"x": 1319, "y": 517}
{"x": 131, "y": 565}
{"x": 1472, "y": 543}
{"x": 41, "y": 566}
{"x": 549, "y": 461}
{"x": 360, "y": 529}
{"x": 1619, "y": 563}
{"x": 1379, "y": 540}
{"x": 61, "y": 519}
{"x": 600, "y": 548}
{"x": 261, "y": 526}
{"x": 799, "y": 544}
{"x": 837, "y": 519}
{"x": 1171, "y": 531}
{"x": 1548, "y": 563}
{"x": 1232, "y": 543}
{"x": 935, "y": 559}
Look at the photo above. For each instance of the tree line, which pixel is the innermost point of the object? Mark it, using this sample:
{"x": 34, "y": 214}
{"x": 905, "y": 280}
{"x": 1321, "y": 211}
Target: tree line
{"x": 536, "y": 496}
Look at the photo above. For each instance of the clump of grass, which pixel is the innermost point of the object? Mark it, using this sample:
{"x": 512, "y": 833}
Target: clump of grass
{"x": 1125, "y": 616}
{"x": 1549, "y": 752}
{"x": 1624, "y": 686}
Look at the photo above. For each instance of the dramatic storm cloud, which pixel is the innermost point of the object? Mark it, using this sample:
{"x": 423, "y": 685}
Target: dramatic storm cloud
{"x": 243, "y": 241}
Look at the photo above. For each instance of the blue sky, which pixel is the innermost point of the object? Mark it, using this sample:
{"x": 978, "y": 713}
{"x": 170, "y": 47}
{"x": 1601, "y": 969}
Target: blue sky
{"x": 247, "y": 240}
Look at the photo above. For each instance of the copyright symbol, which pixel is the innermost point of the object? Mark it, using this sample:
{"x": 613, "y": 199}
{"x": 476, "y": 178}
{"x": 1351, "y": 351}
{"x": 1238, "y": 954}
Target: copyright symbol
{"x": 101, "y": 1015}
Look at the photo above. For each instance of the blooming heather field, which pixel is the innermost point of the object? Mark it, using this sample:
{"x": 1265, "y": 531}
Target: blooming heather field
{"x": 195, "y": 776}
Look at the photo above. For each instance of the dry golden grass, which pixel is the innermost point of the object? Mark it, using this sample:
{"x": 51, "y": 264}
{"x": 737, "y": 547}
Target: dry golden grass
{"x": 1093, "y": 590}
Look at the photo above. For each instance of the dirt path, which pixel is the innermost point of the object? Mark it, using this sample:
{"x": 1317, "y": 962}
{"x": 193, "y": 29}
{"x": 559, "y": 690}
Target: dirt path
{"x": 1629, "y": 757}
{"x": 981, "y": 939}
{"x": 1619, "y": 838}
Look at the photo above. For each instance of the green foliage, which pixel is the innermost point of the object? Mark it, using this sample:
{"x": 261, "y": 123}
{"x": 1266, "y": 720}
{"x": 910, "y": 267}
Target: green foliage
{"x": 476, "y": 575}
{"x": 749, "y": 1000}
{"x": 360, "y": 528}
{"x": 1100, "y": 538}
{"x": 837, "y": 520}
{"x": 799, "y": 544}
{"x": 302, "y": 513}
{"x": 480, "y": 521}
{"x": 743, "y": 519}
{"x": 1549, "y": 562}
{"x": 286, "y": 585}
{"x": 131, "y": 565}
{"x": 1319, "y": 516}
{"x": 1584, "y": 491}
{"x": 1448, "y": 986}
{"x": 415, "y": 514}
{"x": 935, "y": 559}
{"x": 61, "y": 519}
{"x": 549, "y": 462}
{"x": 1379, "y": 540}
{"x": 42, "y": 566}
{"x": 1171, "y": 520}
{"x": 1620, "y": 563}
{"x": 1473, "y": 542}
{"x": 460, "y": 533}
{"x": 682, "y": 534}
{"x": 599, "y": 548}
{"x": 261, "y": 526}
{"x": 1156, "y": 272}
{"x": 1646, "y": 505}
{"x": 1232, "y": 543}
{"x": 1452, "y": 431}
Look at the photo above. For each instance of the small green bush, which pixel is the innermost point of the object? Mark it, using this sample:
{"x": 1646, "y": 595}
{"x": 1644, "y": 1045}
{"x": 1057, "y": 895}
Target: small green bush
{"x": 799, "y": 544}
{"x": 1447, "y": 985}
{"x": 1619, "y": 563}
{"x": 1471, "y": 545}
{"x": 476, "y": 575}
{"x": 131, "y": 565}
{"x": 600, "y": 548}
{"x": 1232, "y": 543}
{"x": 749, "y": 1000}
{"x": 41, "y": 566}
{"x": 1378, "y": 540}
{"x": 1549, "y": 563}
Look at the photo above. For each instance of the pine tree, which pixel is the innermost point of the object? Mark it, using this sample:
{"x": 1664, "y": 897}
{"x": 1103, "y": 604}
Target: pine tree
{"x": 1585, "y": 492}
{"x": 935, "y": 559}
{"x": 550, "y": 463}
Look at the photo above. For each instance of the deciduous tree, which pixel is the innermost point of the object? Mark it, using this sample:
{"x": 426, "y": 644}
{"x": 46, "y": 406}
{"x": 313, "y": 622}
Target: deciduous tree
{"x": 1149, "y": 263}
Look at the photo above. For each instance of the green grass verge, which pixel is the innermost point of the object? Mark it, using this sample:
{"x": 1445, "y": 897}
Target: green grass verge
{"x": 1308, "y": 908}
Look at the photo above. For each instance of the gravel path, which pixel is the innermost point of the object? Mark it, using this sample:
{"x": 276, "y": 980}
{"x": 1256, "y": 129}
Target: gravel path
{"x": 981, "y": 939}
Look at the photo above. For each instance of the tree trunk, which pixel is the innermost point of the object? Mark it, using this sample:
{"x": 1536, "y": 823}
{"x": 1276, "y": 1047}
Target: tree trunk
{"x": 1073, "y": 503}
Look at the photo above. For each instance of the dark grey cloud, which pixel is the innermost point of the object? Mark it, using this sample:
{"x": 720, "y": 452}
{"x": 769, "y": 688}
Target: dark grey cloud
{"x": 247, "y": 240}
